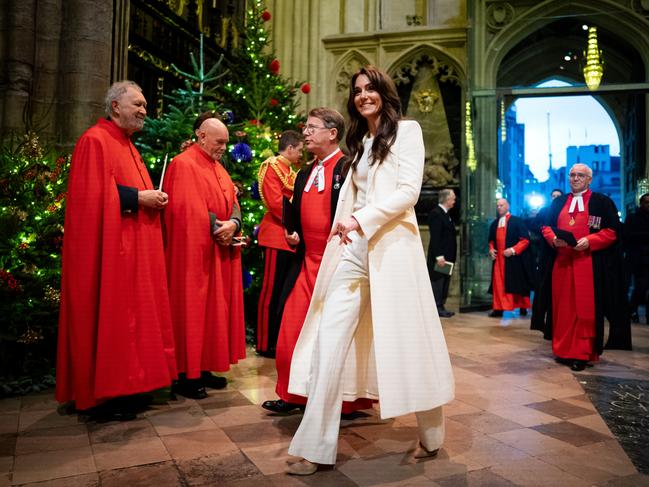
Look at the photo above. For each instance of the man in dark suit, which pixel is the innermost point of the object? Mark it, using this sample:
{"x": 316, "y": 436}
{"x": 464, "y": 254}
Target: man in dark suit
{"x": 442, "y": 248}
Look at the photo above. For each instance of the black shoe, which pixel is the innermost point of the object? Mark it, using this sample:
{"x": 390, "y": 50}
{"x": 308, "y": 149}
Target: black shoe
{"x": 280, "y": 406}
{"x": 111, "y": 410}
{"x": 578, "y": 365}
{"x": 523, "y": 312}
{"x": 564, "y": 361}
{"x": 635, "y": 318}
{"x": 443, "y": 313}
{"x": 213, "y": 381}
{"x": 189, "y": 388}
{"x": 496, "y": 313}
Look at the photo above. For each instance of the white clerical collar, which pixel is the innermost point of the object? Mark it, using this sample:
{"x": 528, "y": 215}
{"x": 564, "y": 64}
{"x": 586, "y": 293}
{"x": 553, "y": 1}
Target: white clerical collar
{"x": 578, "y": 201}
{"x": 503, "y": 220}
{"x": 322, "y": 161}
{"x": 443, "y": 207}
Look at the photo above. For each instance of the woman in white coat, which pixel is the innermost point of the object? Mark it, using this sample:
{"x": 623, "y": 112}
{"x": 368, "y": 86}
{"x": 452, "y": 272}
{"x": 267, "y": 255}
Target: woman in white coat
{"x": 372, "y": 329}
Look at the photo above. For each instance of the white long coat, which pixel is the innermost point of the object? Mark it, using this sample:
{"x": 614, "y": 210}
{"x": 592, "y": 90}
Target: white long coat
{"x": 398, "y": 354}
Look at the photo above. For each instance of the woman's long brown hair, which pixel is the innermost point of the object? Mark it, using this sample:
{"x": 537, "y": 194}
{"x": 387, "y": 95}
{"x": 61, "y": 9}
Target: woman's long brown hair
{"x": 386, "y": 132}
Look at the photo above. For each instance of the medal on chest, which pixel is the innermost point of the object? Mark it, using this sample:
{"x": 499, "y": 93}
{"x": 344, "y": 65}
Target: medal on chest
{"x": 572, "y": 220}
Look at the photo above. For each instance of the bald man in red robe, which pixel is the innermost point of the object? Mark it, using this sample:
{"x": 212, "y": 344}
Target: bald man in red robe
{"x": 203, "y": 265}
{"x": 115, "y": 338}
{"x": 586, "y": 281}
{"x": 508, "y": 244}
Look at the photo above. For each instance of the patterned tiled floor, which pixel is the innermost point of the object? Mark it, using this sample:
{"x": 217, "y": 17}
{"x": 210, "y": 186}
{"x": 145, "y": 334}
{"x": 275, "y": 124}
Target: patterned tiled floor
{"x": 519, "y": 419}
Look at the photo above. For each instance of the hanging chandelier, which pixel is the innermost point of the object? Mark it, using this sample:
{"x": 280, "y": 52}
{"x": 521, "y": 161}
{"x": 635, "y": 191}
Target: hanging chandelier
{"x": 594, "y": 68}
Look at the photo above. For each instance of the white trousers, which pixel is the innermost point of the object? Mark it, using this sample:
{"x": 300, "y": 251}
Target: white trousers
{"x": 347, "y": 297}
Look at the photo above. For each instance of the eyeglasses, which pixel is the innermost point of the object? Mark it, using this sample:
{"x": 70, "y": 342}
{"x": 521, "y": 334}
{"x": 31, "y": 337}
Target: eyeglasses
{"x": 578, "y": 175}
{"x": 309, "y": 129}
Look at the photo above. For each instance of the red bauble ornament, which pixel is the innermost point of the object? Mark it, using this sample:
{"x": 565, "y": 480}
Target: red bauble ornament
{"x": 305, "y": 88}
{"x": 273, "y": 102}
{"x": 273, "y": 67}
{"x": 265, "y": 15}
{"x": 254, "y": 122}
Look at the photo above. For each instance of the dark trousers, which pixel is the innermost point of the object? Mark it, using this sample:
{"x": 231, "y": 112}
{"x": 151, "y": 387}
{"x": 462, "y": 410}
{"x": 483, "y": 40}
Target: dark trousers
{"x": 440, "y": 283}
{"x": 640, "y": 294}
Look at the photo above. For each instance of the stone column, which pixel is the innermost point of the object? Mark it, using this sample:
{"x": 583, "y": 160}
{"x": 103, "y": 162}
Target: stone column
{"x": 85, "y": 66}
{"x": 17, "y": 56}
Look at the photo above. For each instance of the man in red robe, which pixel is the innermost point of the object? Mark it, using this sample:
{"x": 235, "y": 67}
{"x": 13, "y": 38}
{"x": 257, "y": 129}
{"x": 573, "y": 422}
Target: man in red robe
{"x": 511, "y": 274}
{"x": 586, "y": 282}
{"x": 276, "y": 179}
{"x": 115, "y": 338}
{"x": 315, "y": 196}
{"x": 203, "y": 262}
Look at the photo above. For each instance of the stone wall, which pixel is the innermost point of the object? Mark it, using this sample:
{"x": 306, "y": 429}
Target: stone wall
{"x": 55, "y": 66}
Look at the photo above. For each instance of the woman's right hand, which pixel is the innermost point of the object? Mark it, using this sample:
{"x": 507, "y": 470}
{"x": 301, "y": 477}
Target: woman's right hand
{"x": 342, "y": 228}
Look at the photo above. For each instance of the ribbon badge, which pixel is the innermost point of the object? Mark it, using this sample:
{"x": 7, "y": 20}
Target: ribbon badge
{"x": 594, "y": 222}
{"x": 337, "y": 181}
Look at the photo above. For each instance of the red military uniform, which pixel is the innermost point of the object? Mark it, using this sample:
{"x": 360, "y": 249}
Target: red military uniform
{"x": 315, "y": 218}
{"x": 573, "y": 309}
{"x": 205, "y": 284}
{"x": 276, "y": 180}
{"x": 115, "y": 335}
{"x": 502, "y": 300}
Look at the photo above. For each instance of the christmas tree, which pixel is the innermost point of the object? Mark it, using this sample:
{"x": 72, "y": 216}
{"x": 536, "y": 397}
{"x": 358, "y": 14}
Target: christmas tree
{"x": 257, "y": 103}
{"x": 32, "y": 197}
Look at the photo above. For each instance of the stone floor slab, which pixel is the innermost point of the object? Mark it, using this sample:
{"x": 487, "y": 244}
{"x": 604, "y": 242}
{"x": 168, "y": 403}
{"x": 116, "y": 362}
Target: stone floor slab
{"x": 37, "y": 467}
{"x": 163, "y": 474}
{"x": 123, "y": 454}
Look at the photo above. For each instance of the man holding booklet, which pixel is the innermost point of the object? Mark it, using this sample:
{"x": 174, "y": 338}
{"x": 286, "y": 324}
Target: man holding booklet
{"x": 204, "y": 262}
{"x": 584, "y": 282}
{"x": 442, "y": 249}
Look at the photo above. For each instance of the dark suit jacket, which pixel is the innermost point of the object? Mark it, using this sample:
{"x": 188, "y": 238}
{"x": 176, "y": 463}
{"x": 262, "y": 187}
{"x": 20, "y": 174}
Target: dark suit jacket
{"x": 442, "y": 237}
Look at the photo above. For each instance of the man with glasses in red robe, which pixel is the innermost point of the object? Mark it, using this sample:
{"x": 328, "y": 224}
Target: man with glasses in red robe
{"x": 584, "y": 282}
{"x": 314, "y": 198}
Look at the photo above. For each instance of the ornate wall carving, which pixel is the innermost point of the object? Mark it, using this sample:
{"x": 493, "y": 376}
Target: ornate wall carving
{"x": 499, "y": 14}
{"x": 430, "y": 89}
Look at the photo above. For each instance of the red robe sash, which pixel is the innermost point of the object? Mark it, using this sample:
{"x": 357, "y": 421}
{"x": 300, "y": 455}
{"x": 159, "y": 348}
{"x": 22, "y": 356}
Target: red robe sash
{"x": 205, "y": 281}
{"x": 115, "y": 336}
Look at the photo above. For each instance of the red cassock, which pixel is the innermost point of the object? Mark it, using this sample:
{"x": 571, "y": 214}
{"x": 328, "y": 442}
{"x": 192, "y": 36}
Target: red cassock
{"x": 205, "y": 283}
{"x": 315, "y": 216}
{"x": 573, "y": 294}
{"x": 503, "y": 300}
{"x": 276, "y": 179}
{"x": 115, "y": 336}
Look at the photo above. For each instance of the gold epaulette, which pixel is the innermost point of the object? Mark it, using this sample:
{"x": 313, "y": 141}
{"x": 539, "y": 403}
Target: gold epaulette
{"x": 287, "y": 180}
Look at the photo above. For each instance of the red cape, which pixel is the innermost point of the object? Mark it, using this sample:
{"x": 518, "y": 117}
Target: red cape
{"x": 115, "y": 335}
{"x": 205, "y": 281}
